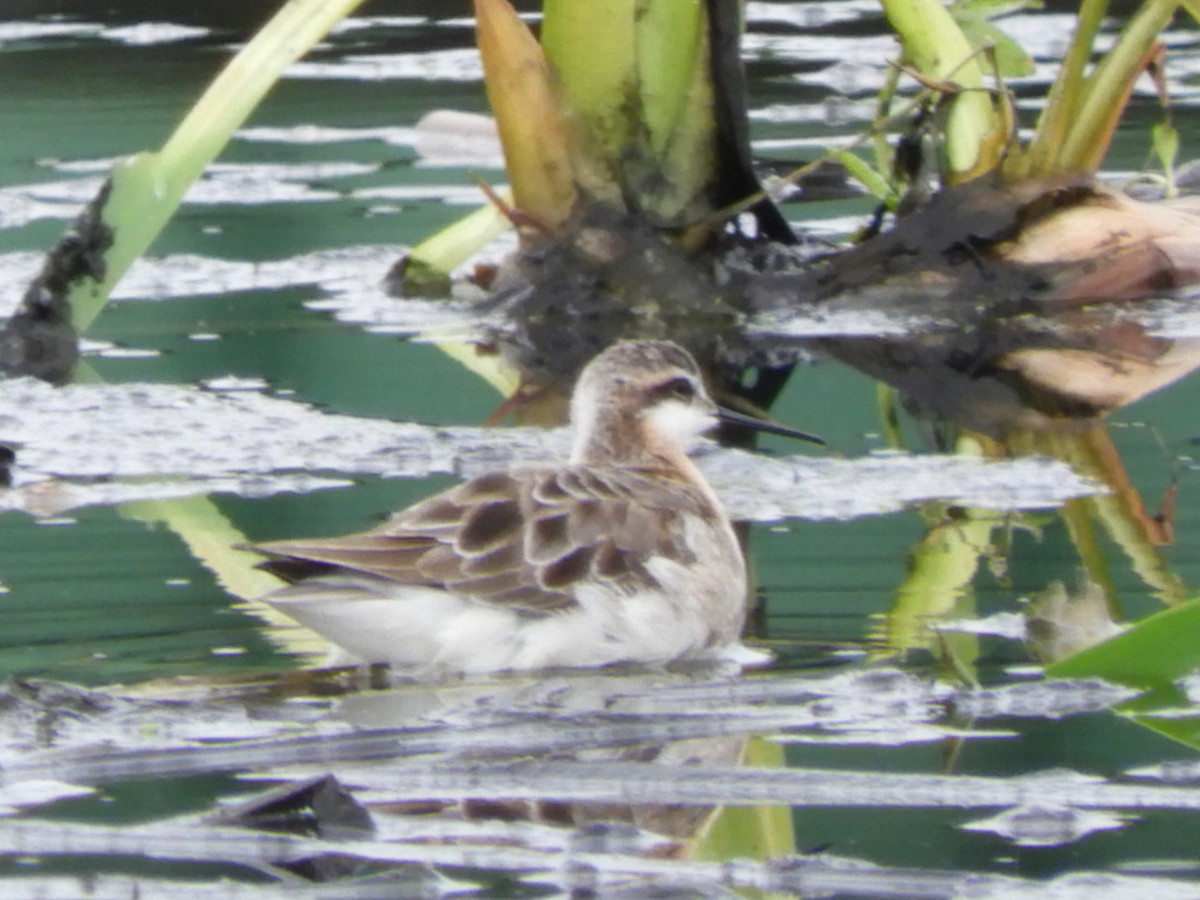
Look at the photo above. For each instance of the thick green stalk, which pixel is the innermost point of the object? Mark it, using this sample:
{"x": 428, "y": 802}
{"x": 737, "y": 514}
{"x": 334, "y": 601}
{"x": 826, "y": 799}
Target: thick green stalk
{"x": 670, "y": 45}
{"x": 675, "y": 75}
{"x": 593, "y": 51}
{"x": 636, "y": 77}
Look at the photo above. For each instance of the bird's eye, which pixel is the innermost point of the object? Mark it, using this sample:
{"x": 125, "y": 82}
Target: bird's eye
{"x": 679, "y": 388}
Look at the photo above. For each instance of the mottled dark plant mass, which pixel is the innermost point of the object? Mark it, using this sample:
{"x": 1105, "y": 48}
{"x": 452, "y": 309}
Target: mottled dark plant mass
{"x": 39, "y": 339}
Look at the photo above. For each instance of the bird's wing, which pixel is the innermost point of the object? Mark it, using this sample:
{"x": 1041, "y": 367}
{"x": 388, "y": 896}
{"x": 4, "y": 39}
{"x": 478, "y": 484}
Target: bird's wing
{"x": 523, "y": 539}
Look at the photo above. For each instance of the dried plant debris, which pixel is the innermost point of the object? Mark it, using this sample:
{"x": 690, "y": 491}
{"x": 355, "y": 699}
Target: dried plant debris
{"x": 39, "y": 339}
{"x": 1010, "y": 305}
{"x": 155, "y": 440}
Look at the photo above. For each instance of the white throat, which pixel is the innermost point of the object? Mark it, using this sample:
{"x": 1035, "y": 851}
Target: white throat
{"x": 681, "y": 422}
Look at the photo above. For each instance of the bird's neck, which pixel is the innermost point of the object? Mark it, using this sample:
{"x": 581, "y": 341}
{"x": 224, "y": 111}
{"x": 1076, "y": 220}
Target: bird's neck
{"x": 632, "y": 443}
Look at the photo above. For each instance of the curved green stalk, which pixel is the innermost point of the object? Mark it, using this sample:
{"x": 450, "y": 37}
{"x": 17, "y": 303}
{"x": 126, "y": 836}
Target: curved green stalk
{"x": 148, "y": 188}
{"x": 214, "y": 542}
{"x": 936, "y": 46}
{"x": 145, "y": 192}
{"x": 594, "y": 53}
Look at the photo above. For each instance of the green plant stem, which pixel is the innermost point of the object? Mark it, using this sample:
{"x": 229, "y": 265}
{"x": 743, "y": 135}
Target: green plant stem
{"x": 1112, "y": 79}
{"x": 148, "y": 188}
{"x": 1064, "y": 97}
{"x": 593, "y": 49}
{"x": 935, "y": 45}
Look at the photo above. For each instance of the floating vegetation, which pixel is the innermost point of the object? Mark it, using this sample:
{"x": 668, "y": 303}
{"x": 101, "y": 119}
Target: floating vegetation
{"x": 254, "y": 444}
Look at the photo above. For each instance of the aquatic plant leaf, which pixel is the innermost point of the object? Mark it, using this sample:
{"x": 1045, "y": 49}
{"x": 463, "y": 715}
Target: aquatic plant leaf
{"x": 1152, "y": 655}
{"x": 670, "y": 44}
{"x": 216, "y": 543}
{"x": 1165, "y": 142}
{"x": 1011, "y": 60}
{"x": 1171, "y": 712}
{"x": 491, "y": 367}
{"x": 638, "y": 80}
{"x": 443, "y": 252}
{"x": 529, "y": 112}
{"x": 1062, "y": 103}
{"x": 449, "y": 248}
{"x": 676, "y": 92}
{"x": 1110, "y": 87}
{"x": 868, "y": 176}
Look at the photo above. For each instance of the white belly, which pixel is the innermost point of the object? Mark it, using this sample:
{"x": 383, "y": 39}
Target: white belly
{"x": 698, "y": 612}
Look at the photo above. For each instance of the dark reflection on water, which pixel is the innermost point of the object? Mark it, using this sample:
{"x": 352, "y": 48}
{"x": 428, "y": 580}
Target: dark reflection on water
{"x": 106, "y": 595}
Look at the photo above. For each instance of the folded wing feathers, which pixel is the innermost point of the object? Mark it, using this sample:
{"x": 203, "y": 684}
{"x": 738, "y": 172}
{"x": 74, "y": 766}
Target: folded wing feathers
{"x": 367, "y": 552}
{"x": 523, "y": 539}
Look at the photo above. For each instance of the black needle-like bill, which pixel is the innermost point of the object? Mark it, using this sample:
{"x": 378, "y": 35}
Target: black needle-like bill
{"x": 737, "y": 418}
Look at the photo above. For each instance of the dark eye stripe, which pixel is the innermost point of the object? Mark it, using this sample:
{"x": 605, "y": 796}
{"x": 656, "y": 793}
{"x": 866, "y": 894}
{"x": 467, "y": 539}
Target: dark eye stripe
{"x": 680, "y": 388}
